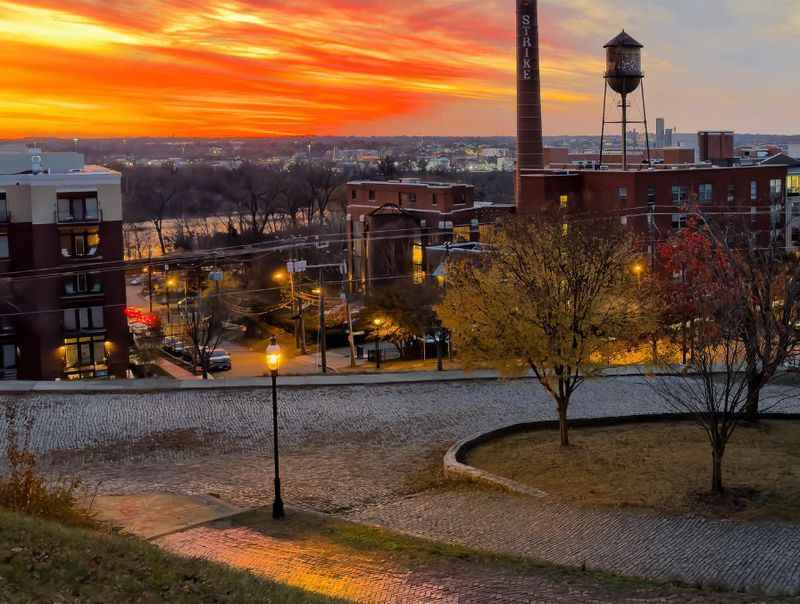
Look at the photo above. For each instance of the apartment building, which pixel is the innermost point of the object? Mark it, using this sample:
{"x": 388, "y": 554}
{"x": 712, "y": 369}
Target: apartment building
{"x": 61, "y": 280}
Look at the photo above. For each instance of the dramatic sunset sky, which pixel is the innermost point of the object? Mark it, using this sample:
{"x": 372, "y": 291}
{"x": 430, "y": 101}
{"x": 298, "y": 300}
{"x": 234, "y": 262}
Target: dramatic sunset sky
{"x": 273, "y": 67}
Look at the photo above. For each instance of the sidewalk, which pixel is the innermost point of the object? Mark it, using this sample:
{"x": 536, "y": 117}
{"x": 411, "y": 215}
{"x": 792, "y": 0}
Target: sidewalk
{"x": 362, "y": 564}
{"x": 350, "y": 379}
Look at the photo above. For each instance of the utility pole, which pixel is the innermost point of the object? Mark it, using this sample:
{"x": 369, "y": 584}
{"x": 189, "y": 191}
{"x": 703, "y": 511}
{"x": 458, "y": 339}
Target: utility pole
{"x": 323, "y": 350}
{"x": 150, "y": 279}
{"x": 350, "y": 337}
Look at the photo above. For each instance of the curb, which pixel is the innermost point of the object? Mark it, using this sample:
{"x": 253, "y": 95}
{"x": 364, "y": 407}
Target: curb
{"x": 455, "y": 466}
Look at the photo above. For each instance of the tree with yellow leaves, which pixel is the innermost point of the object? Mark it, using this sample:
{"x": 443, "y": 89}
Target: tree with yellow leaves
{"x": 549, "y": 297}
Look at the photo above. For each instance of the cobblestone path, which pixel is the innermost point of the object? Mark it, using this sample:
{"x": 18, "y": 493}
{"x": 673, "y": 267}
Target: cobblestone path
{"x": 696, "y": 551}
{"x": 319, "y": 563}
{"x": 366, "y": 451}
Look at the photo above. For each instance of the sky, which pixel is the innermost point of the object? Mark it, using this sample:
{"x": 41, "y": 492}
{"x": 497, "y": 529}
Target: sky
{"x": 251, "y": 68}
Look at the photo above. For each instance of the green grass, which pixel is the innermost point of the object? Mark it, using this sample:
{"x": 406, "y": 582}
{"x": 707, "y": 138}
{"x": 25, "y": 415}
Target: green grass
{"x": 45, "y": 562}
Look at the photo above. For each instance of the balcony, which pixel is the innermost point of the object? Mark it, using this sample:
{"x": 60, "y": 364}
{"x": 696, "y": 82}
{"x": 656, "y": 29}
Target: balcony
{"x": 91, "y": 216}
{"x": 5, "y": 216}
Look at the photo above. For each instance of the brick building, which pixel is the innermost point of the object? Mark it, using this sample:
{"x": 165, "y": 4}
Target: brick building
{"x": 390, "y": 225}
{"x": 655, "y": 202}
{"x": 716, "y": 147}
{"x": 60, "y": 235}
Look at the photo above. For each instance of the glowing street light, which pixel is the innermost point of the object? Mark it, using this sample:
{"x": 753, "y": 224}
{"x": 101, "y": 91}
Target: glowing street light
{"x": 273, "y": 363}
{"x": 638, "y": 270}
{"x": 377, "y": 322}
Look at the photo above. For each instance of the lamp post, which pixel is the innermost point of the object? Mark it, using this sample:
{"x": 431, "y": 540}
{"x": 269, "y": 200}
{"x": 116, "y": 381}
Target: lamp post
{"x": 638, "y": 269}
{"x": 377, "y": 323}
{"x": 438, "y": 337}
{"x": 169, "y": 282}
{"x": 273, "y": 362}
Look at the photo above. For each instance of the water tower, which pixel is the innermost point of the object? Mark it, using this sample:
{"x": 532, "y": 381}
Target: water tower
{"x": 624, "y": 75}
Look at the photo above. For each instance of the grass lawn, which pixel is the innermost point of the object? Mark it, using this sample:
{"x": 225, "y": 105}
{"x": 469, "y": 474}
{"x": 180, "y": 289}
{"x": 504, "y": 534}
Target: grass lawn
{"x": 662, "y": 466}
{"x": 45, "y": 562}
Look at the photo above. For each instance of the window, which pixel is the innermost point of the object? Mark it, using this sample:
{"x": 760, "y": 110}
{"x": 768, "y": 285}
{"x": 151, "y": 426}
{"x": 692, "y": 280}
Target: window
{"x": 705, "y": 193}
{"x": 354, "y": 194}
{"x": 372, "y": 195}
{"x": 79, "y": 244}
{"x": 83, "y": 319}
{"x": 4, "y": 249}
{"x": 775, "y": 188}
{"x": 754, "y": 190}
{"x": 679, "y": 221}
{"x": 4, "y": 216}
{"x": 564, "y": 201}
{"x": 793, "y": 184}
{"x": 651, "y": 195}
{"x": 753, "y": 214}
{"x": 434, "y": 199}
{"x": 83, "y": 284}
{"x": 731, "y": 193}
{"x": 680, "y": 194}
{"x": 8, "y": 362}
{"x": 622, "y": 193}
{"x": 85, "y": 358}
{"x": 408, "y": 198}
{"x": 78, "y": 207}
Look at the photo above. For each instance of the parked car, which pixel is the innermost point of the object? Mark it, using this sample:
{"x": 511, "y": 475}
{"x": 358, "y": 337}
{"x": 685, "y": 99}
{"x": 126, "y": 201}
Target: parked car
{"x": 168, "y": 344}
{"x": 187, "y": 353}
{"x": 220, "y": 360}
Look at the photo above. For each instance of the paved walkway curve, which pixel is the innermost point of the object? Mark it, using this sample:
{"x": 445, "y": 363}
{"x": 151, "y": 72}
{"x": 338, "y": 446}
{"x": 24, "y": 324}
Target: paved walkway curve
{"x": 351, "y": 450}
{"x": 738, "y": 556}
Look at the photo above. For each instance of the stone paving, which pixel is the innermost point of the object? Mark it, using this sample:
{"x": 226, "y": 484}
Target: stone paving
{"x": 315, "y": 562}
{"x": 353, "y": 450}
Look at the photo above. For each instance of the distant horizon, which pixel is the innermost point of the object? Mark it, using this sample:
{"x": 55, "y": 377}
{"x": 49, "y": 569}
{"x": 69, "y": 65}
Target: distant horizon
{"x": 89, "y": 139}
{"x": 265, "y": 68}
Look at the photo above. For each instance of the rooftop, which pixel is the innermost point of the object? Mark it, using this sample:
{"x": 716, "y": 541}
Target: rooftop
{"x": 408, "y": 182}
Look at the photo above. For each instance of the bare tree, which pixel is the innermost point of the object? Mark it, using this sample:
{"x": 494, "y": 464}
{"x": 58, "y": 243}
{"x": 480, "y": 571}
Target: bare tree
{"x": 713, "y": 388}
{"x": 387, "y": 167}
{"x": 768, "y": 290}
{"x": 155, "y": 191}
{"x": 255, "y": 193}
{"x": 766, "y": 284}
{"x": 549, "y": 297}
{"x": 205, "y": 315}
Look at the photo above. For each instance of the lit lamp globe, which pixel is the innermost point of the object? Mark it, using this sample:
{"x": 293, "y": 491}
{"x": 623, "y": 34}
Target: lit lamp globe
{"x": 273, "y": 355}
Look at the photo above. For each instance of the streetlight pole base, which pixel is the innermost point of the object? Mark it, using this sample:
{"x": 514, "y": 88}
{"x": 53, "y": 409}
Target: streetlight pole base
{"x": 277, "y": 506}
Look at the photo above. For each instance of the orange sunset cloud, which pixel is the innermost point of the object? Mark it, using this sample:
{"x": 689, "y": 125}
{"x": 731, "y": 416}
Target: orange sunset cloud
{"x": 256, "y": 67}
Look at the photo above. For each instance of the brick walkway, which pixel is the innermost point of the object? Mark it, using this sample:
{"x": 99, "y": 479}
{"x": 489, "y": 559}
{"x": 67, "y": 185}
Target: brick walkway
{"x": 363, "y": 451}
{"x": 318, "y": 563}
{"x": 692, "y": 550}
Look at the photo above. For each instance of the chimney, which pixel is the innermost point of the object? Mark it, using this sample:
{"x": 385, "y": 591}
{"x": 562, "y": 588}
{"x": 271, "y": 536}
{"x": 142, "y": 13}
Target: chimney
{"x": 530, "y": 148}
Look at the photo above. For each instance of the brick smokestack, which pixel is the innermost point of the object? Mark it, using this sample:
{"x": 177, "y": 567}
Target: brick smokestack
{"x": 530, "y": 148}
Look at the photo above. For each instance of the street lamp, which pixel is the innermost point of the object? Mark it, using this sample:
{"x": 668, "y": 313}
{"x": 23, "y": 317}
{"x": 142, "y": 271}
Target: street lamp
{"x": 638, "y": 269}
{"x": 169, "y": 283}
{"x": 273, "y": 362}
{"x": 377, "y": 323}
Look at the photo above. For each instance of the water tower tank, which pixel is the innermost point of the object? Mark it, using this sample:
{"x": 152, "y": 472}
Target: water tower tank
{"x": 624, "y": 64}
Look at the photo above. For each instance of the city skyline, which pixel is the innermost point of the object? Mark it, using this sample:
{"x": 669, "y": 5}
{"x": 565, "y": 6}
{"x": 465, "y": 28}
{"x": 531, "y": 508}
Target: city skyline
{"x": 368, "y": 67}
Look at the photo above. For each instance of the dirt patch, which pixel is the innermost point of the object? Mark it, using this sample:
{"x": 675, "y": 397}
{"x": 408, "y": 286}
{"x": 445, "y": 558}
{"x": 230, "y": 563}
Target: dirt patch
{"x": 169, "y": 442}
{"x": 661, "y": 466}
